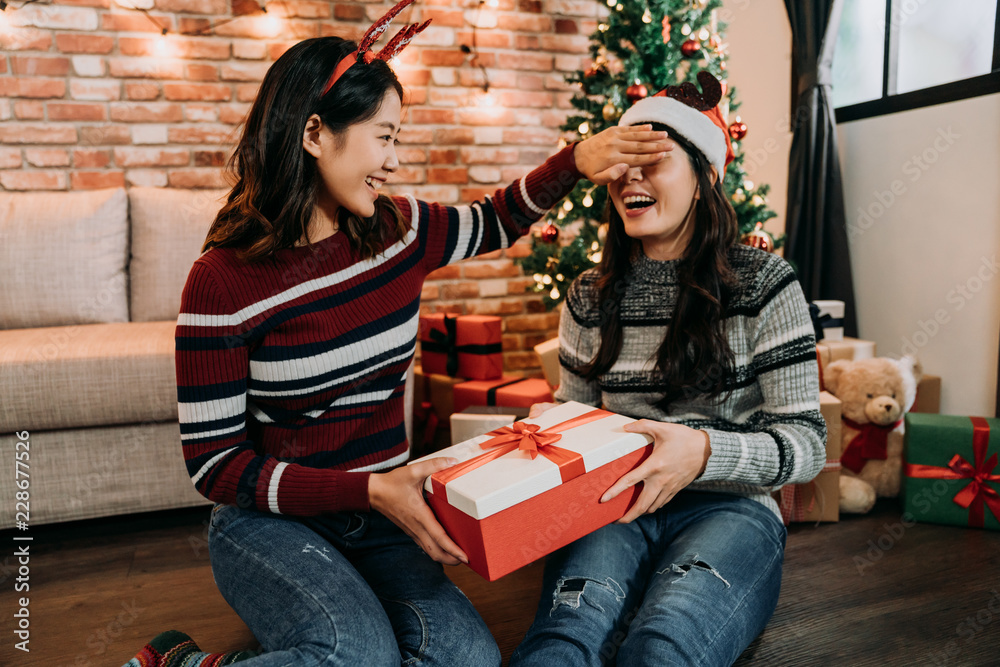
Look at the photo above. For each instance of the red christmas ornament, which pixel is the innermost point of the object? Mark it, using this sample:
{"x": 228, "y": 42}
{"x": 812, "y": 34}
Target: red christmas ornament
{"x": 636, "y": 92}
{"x": 714, "y": 41}
{"x": 759, "y": 239}
{"x": 690, "y": 47}
{"x": 666, "y": 30}
{"x": 738, "y": 130}
{"x": 549, "y": 233}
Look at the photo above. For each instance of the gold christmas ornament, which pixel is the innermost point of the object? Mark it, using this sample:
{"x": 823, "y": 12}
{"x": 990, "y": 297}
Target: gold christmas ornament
{"x": 610, "y": 112}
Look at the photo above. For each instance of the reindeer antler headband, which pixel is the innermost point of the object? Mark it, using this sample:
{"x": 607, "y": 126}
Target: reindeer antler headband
{"x": 696, "y": 116}
{"x": 390, "y": 50}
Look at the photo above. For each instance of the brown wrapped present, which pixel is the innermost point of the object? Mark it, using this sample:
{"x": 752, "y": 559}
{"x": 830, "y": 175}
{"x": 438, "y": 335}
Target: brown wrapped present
{"x": 436, "y": 390}
{"x": 548, "y": 353}
{"x": 928, "y": 395}
{"x": 818, "y": 500}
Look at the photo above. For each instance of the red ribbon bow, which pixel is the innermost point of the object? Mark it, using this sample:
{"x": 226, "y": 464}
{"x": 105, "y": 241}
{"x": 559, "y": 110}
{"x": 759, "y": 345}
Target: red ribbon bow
{"x": 871, "y": 443}
{"x": 528, "y": 437}
{"x": 977, "y": 495}
{"x": 525, "y": 437}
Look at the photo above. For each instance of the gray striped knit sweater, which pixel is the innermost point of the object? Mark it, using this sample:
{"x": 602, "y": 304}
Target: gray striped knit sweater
{"x": 769, "y": 432}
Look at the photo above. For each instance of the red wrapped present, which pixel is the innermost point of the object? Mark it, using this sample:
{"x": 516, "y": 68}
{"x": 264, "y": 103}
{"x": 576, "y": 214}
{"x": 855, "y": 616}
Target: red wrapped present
{"x": 522, "y": 491}
{"x": 466, "y": 346}
{"x": 508, "y": 391}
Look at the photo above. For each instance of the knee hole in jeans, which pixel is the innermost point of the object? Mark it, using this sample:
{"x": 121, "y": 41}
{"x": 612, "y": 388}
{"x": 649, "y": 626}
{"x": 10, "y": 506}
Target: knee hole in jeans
{"x": 689, "y": 564}
{"x": 571, "y": 591}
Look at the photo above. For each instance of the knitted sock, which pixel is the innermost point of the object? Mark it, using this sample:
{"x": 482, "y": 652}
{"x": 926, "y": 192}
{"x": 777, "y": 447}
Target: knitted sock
{"x": 176, "y": 649}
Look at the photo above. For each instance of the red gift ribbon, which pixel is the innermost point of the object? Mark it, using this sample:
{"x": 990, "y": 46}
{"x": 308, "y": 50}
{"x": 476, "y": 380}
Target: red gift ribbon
{"x": 425, "y": 417}
{"x": 977, "y": 494}
{"x": 819, "y": 363}
{"x": 790, "y": 496}
{"x": 528, "y": 438}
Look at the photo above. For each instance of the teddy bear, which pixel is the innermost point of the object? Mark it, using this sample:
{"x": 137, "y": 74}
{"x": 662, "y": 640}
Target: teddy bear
{"x": 874, "y": 394}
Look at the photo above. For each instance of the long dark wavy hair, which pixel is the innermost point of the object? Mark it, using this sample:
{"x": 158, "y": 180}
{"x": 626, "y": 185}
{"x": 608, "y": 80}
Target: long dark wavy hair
{"x": 694, "y": 358}
{"x": 276, "y": 181}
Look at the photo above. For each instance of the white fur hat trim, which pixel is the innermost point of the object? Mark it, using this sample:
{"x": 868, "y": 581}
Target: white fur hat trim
{"x": 692, "y": 124}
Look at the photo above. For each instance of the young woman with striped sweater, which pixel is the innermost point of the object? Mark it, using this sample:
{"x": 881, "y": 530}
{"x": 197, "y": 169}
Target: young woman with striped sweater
{"x": 296, "y": 330}
{"x": 709, "y": 344}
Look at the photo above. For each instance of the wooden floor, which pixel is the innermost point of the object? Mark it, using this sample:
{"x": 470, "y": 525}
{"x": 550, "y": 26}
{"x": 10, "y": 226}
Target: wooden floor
{"x": 866, "y": 591}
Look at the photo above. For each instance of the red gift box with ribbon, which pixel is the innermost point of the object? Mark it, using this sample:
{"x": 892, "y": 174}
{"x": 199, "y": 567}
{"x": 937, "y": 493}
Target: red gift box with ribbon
{"x": 466, "y": 346}
{"x": 522, "y": 491}
{"x": 508, "y": 391}
{"x": 950, "y": 472}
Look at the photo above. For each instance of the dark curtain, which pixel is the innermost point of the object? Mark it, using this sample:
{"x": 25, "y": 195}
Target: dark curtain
{"x": 815, "y": 222}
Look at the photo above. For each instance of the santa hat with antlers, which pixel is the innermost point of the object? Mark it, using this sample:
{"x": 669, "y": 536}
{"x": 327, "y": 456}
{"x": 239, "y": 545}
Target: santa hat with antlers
{"x": 694, "y": 115}
{"x": 363, "y": 53}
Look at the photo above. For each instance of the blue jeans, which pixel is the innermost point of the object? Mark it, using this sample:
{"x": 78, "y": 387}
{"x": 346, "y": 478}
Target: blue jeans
{"x": 342, "y": 589}
{"x": 692, "y": 584}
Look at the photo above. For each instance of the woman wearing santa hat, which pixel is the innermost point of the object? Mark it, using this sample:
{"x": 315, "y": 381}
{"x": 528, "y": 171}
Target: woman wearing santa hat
{"x": 708, "y": 343}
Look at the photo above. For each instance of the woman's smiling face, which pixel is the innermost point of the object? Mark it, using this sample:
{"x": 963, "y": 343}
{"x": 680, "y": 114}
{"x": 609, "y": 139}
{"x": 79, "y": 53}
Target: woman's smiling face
{"x": 362, "y": 158}
{"x": 654, "y": 203}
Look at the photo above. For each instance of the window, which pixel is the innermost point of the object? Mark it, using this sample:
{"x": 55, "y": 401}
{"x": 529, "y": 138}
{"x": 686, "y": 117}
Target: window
{"x": 895, "y": 55}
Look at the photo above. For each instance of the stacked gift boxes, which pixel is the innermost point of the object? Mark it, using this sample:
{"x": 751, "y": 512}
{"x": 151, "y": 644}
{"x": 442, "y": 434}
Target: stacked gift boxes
{"x": 461, "y": 365}
{"x": 950, "y": 471}
{"x": 818, "y": 500}
{"x": 525, "y": 490}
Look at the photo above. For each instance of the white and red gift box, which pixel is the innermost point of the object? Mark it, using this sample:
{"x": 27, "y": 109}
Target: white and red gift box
{"x": 522, "y": 491}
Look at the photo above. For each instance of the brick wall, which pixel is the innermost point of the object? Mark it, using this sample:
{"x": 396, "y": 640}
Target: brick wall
{"x": 93, "y": 96}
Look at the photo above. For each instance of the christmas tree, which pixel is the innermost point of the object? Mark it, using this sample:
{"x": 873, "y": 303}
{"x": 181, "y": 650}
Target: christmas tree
{"x": 640, "y": 47}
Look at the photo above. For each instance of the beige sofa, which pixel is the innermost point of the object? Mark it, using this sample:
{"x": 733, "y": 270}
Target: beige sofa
{"x": 90, "y": 286}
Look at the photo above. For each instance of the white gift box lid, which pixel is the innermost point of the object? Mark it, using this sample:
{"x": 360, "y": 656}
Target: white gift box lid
{"x": 831, "y": 308}
{"x": 515, "y": 477}
{"x": 466, "y": 425}
{"x": 834, "y": 309}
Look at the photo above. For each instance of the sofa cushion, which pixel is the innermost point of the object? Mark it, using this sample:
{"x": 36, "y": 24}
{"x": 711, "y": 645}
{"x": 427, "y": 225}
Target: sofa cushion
{"x": 168, "y": 230}
{"x": 87, "y": 375}
{"x": 63, "y": 258}
{"x": 93, "y": 472}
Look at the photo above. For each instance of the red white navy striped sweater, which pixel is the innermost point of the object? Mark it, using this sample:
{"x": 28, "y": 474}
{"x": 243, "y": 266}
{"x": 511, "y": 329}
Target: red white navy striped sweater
{"x": 290, "y": 374}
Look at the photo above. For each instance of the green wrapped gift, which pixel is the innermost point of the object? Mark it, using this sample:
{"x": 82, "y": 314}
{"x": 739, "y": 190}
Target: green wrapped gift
{"x": 950, "y": 473}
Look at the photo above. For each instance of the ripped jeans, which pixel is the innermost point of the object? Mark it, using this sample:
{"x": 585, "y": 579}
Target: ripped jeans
{"x": 692, "y": 584}
{"x": 342, "y": 589}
